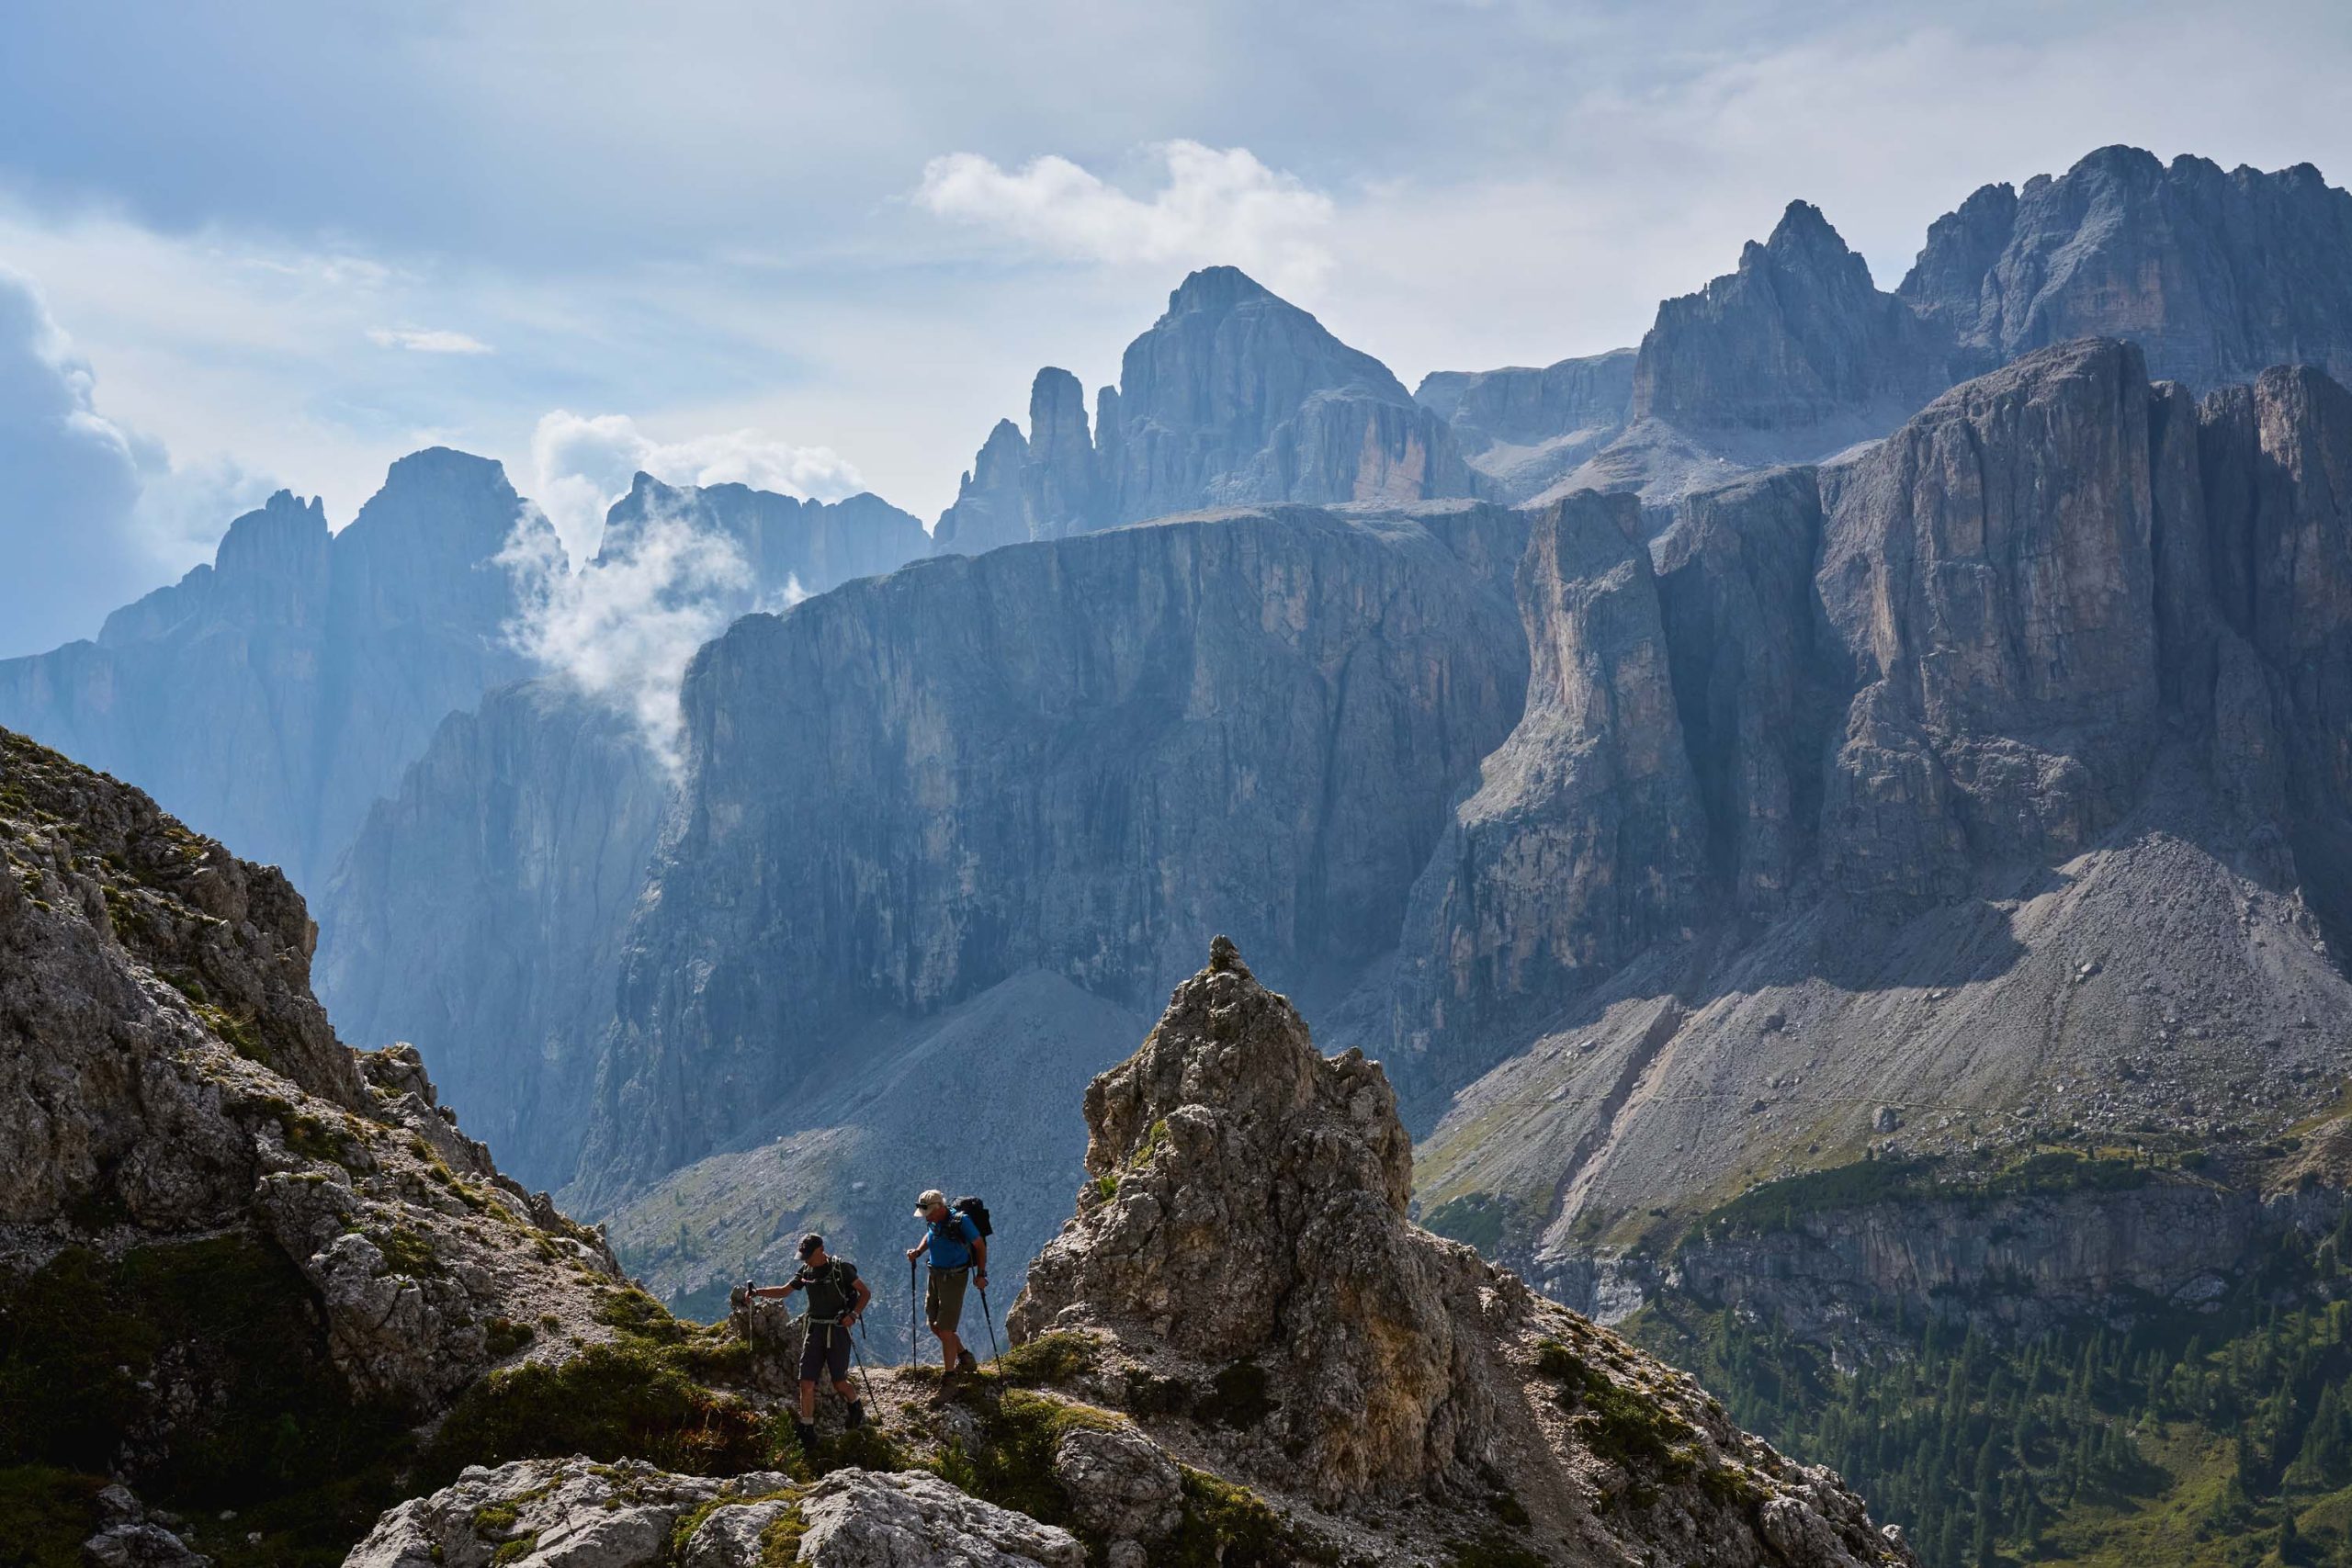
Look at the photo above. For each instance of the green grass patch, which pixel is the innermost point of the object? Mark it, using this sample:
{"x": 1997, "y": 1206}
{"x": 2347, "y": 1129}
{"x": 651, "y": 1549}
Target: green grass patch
{"x": 45, "y": 1516}
{"x": 1228, "y": 1526}
{"x": 271, "y": 1431}
{"x": 1047, "y": 1359}
{"x": 630, "y": 1399}
{"x": 1011, "y": 1463}
{"x": 1631, "y": 1429}
{"x": 1494, "y": 1549}
{"x": 1475, "y": 1217}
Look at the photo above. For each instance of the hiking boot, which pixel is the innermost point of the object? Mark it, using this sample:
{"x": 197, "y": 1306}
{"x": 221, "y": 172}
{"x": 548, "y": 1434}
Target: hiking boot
{"x": 966, "y": 1363}
{"x": 945, "y": 1391}
{"x": 807, "y": 1432}
{"x": 856, "y": 1416}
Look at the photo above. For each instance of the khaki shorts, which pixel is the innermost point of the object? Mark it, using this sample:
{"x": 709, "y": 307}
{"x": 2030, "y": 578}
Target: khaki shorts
{"x": 942, "y": 1298}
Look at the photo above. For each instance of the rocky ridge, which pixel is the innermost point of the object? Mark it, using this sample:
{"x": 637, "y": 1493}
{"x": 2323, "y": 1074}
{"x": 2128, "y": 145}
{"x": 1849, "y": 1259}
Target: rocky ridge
{"x": 1241, "y": 1351}
{"x": 270, "y": 696}
{"x": 191, "y": 1159}
{"x": 788, "y": 544}
{"x": 1796, "y": 355}
{"x": 2217, "y": 274}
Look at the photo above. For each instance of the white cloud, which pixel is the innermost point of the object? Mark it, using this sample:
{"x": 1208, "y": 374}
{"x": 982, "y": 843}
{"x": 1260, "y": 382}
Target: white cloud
{"x": 584, "y": 465}
{"x": 1218, "y": 206}
{"x": 426, "y": 340}
{"x": 622, "y": 630}
{"x": 93, "y": 511}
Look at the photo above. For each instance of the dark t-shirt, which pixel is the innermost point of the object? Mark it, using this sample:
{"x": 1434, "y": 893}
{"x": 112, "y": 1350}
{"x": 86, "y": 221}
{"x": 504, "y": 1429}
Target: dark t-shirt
{"x": 832, "y": 1290}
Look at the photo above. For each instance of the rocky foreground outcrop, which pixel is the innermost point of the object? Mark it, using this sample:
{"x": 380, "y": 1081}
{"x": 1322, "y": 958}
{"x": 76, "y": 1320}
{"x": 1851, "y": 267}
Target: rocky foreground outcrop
{"x": 231, "y": 1252}
{"x": 1243, "y": 1271}
{"x": 542, "y": 1513}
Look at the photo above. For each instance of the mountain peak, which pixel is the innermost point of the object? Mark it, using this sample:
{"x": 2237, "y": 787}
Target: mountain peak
{"x": 2120, "y": 158}
{"x": 444, "y": 464}
{"x": 279, "y": 528}
{"x": 1218, "y": 289}
{"x": 1804, "y": 235}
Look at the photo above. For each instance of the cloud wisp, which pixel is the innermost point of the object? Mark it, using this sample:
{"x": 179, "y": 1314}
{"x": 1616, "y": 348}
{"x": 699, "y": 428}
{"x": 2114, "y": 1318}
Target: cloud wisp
{"x": 586, "y": 464}
{"x": 621, "y": 630}
{"x": 1216, "y": 206}
{"x": 426, "y": 340}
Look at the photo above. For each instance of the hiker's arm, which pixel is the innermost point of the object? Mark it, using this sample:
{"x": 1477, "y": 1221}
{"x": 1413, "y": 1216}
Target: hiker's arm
{"x": 857, "y": 1307}
{"x": 916, "y": 1250}
{"x": 770, "y": 1292}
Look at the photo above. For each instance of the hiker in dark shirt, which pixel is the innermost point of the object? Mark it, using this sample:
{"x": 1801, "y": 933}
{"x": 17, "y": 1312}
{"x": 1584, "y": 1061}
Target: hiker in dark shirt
{"x": 958, "y": 1252}
{"x": 836, "y": 1297}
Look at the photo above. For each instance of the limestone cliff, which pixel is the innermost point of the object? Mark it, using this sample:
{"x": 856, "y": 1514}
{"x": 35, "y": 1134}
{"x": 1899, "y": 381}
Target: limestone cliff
{"x": 2017, "y": 747}
{"x": 788, "y": 544}
{"x": 1791, "y": 357}
{"x": 480, "y": 912}
{"x": 1524, "y": 429}
{"x": 1070, "y": 756}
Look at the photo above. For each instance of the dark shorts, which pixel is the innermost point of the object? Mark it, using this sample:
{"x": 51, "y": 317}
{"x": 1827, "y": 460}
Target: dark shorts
{"x": 943, "y": 1299}
{"x": 826, "y": 1349}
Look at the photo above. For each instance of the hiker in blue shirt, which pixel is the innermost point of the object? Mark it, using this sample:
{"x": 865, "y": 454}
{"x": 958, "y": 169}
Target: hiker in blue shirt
{"x": 958, "y": 1252}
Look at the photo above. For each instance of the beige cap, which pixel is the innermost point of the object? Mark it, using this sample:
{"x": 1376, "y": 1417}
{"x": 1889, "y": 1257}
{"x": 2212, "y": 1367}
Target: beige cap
{"x": 933, "y": 1198}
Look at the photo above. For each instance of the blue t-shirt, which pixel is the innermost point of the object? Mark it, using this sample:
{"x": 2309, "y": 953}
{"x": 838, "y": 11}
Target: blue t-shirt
{"x": 950, "y": 1244}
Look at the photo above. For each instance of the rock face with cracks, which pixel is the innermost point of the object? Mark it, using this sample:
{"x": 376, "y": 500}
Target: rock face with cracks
{"x": 174, "y": 1106}
{"x": 1245, "y": 1236}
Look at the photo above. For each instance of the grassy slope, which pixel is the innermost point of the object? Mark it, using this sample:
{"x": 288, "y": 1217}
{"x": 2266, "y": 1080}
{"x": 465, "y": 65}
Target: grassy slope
{"x": 2197, "y": 1438}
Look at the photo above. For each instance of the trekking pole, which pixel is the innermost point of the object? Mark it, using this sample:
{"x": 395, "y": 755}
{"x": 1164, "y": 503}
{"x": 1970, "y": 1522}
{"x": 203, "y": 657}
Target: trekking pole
{"x": 910, "y": 1312}
{"x": 990, "y": 1318}
{"x": 864, "y": 1376}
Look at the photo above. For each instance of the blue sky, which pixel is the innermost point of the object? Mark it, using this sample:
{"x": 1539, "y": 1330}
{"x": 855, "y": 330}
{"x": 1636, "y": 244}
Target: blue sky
{"x": 825, "y": 245}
